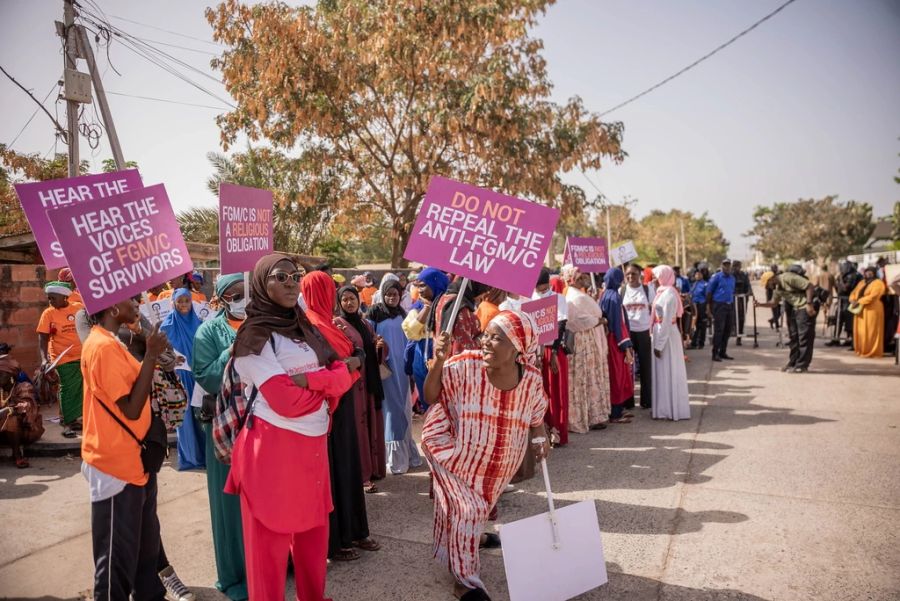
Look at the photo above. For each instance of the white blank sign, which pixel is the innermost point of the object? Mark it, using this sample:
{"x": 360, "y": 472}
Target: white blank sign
{"x": 535, "y": 571}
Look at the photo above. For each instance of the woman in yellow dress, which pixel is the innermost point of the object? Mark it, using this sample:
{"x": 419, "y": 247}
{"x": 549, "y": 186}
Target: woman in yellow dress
{"x": 868, "y": 324}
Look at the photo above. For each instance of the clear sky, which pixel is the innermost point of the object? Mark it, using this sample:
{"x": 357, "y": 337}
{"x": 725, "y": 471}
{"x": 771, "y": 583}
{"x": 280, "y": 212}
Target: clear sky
{"x": 806, "y": 105}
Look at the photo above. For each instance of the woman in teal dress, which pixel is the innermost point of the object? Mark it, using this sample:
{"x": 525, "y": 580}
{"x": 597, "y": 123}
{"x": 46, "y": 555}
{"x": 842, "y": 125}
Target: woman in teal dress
{"x": 212, "y": 349}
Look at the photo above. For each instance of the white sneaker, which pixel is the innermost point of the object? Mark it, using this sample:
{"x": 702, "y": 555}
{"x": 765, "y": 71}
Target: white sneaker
{"x": 175, "y": 588}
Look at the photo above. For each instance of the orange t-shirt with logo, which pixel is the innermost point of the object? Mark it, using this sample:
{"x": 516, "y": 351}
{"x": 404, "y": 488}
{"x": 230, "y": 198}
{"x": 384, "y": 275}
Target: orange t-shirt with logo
{"x": 59, "y": 325}
{"x": 109, "y": 373}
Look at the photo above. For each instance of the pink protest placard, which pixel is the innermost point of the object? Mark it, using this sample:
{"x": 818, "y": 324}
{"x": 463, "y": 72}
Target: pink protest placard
{"x": 39, "y": 197}
{"x": 543, "y": 312}
{"x": 590, "y": 255}
{"x": 120, "y": 246}
{"x": 246, "y": 232}
{"x": 482, "y": 235}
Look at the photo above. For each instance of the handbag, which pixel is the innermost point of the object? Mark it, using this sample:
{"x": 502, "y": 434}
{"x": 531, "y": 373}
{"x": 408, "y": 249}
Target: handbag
{"x": 168, "y": 398}
{"x": 154, "y": 446}
{"x": 569, "y": 343}
{"x": 385, "y": 371}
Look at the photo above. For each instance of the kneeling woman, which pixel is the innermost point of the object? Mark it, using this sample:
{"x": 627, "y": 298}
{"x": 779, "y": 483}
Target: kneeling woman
{"x": 280, "y": 460}
{"x": 487, "y": 405}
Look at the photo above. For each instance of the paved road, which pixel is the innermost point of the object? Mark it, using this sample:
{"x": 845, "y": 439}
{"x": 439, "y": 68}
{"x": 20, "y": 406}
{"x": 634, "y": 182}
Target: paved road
{"x": 780, "y": 487}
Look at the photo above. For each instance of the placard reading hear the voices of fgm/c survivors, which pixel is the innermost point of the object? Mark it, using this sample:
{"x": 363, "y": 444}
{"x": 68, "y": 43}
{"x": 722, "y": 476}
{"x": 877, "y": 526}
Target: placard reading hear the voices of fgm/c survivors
{"x": 120, "y": 246}
{"x": 482, "y": 235}
{"x": 38, "y": 198}
{"x": 246, "y": 233}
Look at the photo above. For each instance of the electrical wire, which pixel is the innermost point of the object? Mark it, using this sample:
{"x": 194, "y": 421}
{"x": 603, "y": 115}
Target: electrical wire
{"x": 700, "y": 60}
{"x": 169, "y": 31}
{"x": 59, "y": 127}
{"x": 31, "y": 118}
{"x": 205, "y": 106}
{"x": 150, "y": 53}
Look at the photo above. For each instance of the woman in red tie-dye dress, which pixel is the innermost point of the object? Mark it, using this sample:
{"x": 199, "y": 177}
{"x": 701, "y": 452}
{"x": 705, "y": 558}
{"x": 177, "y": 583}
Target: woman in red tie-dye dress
{"x": 487, "y": 405}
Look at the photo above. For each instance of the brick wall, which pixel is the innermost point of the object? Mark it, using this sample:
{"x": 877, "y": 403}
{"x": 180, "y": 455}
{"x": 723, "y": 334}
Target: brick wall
{"x": 22, "y": 300}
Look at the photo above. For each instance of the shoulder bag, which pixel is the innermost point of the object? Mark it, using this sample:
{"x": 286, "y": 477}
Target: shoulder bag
{"x": 154, "y": 446}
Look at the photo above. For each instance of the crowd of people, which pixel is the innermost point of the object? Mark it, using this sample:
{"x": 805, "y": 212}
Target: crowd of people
{"x": 333, "y": 376}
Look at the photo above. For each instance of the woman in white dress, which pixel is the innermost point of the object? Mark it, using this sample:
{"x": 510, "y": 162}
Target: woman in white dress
{"x": 670, "y": 388}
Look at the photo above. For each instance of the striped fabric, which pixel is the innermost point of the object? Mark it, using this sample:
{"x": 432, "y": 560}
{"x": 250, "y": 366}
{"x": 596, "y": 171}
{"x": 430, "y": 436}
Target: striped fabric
{"x": 474, "y": 438}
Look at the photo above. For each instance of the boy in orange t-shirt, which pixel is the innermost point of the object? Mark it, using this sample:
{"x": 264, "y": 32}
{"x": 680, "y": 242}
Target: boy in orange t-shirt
{"x": 59, "y": 343}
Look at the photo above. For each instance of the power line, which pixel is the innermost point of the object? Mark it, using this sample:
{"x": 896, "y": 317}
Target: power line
{"x": 701, "y": 59}
{"x": 31, "y": 118}
{"x": 169, "y": 31}
{"x": 177, "y": 46}
{"x": 206, "y": 106}
{"x": 152, "y": 54}
{"x": 59, "y": 127}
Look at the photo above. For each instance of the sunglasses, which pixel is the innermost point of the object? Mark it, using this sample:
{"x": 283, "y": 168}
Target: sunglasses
{"x": 282, "y": 277}
{"x": 233, "y": 298}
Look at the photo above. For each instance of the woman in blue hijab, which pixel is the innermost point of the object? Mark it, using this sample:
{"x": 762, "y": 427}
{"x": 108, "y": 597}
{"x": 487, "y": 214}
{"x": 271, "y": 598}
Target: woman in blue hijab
{"x": 418, "y": 326}
{"x": 621, "y": 355}
{"x": 181, "y": 326}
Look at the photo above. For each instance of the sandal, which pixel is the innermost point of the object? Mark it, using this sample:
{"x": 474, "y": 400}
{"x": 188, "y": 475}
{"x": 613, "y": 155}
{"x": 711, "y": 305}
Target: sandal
{"x": 370, "y": 488}
{"x": 491, "y": 541}
{"x": 69, "y": 433}
{"x": 345, "y": 555}
{"x": 621, "y": 420}
{"x": 628, "y": 414}
{"x": 598, "y": 427}
{"x": 367, "y": 544}
{"x": 22, "y": 463}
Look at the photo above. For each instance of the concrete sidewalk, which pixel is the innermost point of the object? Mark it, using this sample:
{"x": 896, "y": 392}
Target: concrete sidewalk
{"x": 780, "y": 487}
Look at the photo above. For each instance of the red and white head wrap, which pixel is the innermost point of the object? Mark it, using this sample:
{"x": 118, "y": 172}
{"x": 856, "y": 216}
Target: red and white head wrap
{"x": 520, "y": 329}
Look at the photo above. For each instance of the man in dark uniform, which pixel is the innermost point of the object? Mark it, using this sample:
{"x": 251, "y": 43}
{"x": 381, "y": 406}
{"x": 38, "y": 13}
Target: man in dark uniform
{"x": 720, "y": 309}
{"x": 741, "y": 292}
{"x": 845, "y": 283}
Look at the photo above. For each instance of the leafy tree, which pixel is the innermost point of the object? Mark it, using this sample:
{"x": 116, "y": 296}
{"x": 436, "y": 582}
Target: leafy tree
{"x": 303, "y": 211}
{"x": 388, "y": 93}
{"x": 109, "y": 165}
{"x": 818, "y": 229}
{"x": 16, "y": 167}
{"x": 657, "y": 232}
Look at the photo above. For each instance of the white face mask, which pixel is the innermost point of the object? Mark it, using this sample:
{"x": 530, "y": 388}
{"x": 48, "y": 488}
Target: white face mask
{"x": 238, "y": 309}
{"x": 547, "y": 293}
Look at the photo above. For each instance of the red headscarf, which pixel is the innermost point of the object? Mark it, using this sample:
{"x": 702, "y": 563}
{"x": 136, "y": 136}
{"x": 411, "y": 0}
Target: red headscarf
{"x": 318, "y": 292}
{"x": 557, "y": 285}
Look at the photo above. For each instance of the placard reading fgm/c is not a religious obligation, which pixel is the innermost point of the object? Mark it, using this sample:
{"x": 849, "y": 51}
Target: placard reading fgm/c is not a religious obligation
{"x": 480, "y": 234}
{"x": 544, "y": 313}
{"x": 120, "y": 246}
{"x": 589, "y": 255}
{"x": 246, "y": 232}
{"x": 38, "y": 198}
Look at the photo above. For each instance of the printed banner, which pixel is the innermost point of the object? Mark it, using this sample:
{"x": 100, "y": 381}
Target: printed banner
{"x": 476, "y": 233}
{"x": 246, "y": 232}
{"x": 203, "y": 311}
{"x": 623, "y": 253}
{"x": 543, "y": 312}
{"x": 38, "y": 198}
{"x": 120, "y": 246}
{"x": 590, "y": 255}
{"x": 158, "y": 310}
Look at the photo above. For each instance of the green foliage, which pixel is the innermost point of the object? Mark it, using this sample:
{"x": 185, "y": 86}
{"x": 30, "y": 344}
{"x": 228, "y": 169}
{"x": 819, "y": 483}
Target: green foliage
{"x": 819, "y": 229}
{"x": 657, "y": 232}
{"x": 109, "y": 165}
{"x": 200, "y": 224}
{"x": 303, "y": 205}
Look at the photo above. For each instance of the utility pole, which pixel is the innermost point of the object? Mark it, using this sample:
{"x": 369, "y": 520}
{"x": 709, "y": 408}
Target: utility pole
{"x": 88, "y": 54}
{"x": 77, "y": 88}
{"x": 683, "y": 248}
{"x": 70, "y": 56}
{"x": 608, "y": 228}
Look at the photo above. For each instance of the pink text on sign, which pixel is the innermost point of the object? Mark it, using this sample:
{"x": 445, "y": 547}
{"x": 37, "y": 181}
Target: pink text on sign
{"x": 38, "y": 198}
{"x": 480, "y": 234}
{"x": 246, "y": 232}
{"x": 544, "y": 313}
{"x": 119, "y": 247}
